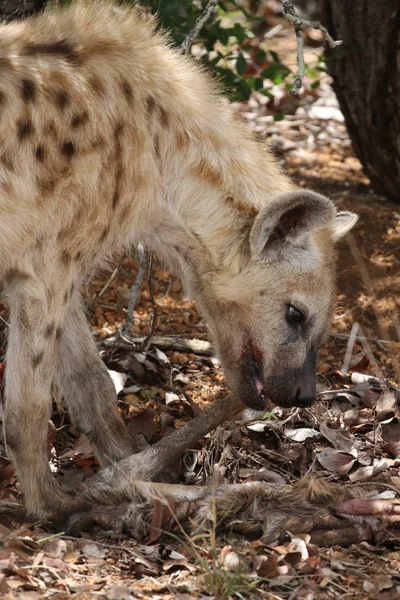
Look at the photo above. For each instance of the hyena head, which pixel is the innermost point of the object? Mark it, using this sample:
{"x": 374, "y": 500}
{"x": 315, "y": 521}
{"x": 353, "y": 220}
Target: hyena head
{"x": 269, "y": 306}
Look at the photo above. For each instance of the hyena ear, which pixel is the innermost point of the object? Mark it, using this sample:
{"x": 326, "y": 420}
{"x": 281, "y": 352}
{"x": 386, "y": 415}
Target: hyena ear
{"x": 287, "y": 220}
{"x": 342, "y": 223}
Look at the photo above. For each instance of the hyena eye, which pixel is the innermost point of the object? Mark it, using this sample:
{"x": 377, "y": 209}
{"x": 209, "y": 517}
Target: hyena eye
{"x": 294, "y": 316}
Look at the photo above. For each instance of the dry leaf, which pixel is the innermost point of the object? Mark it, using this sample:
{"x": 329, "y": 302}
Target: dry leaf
{"x": 386, "y": 406}
{"x": 391, "y": 431}
{"x": 118, "y": 379}
{"x": 336, "y": 461}
{"x": 143, "y": 423}
{"x": 340, "y": 439}
{"x": 301, "y": 434}
{"x": 119, "y": 592}
{"x": 171, "y": 398}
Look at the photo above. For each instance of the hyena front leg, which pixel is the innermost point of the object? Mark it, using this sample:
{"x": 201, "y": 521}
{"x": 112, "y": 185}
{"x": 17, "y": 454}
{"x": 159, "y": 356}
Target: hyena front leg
{"x": 87, "y": 389}
{"x": 30, "y": 371}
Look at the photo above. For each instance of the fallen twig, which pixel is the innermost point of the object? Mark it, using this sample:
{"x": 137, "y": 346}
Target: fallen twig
{"x": 200, "y": 347}
{"x": 107, "y": 284}
{"x": 350, "y": 345}
{"x": 298, "y": 23}
{"x": 147, "y": 342}
{"x": 360, "y": 338}
{"x": 134, "y": 293}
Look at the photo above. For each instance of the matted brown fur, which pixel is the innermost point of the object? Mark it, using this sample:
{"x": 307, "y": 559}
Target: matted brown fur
{"x": 108, "y": 137}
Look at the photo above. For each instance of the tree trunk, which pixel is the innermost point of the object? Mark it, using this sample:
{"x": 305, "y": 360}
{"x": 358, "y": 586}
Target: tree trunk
{"x": 366, "y": 79}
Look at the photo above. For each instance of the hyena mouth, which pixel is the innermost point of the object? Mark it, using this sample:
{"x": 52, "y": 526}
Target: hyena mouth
{"x": 252, "y": 392}
{"x": 257, "y": 371}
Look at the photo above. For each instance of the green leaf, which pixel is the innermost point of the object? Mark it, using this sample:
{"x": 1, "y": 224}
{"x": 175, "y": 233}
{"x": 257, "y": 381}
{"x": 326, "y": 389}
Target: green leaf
{"x": 266, "y": 92}
{"x": 261, "y": 55}
{"x": 275, "y": 57}
{"x": 279, "y": 117}
{"x": 240, "y": 33}
{"x": 244, "y": 89}
{"x": 271, "y": 72}
{"x": 241, "y": 64}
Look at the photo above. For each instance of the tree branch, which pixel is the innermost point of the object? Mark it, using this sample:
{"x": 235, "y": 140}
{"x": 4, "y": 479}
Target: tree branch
{"x": 298, "y": 23}
{"x": 134, "y": 293}
{"x": 147, "y": 341}
{"x": 205, "y": 15}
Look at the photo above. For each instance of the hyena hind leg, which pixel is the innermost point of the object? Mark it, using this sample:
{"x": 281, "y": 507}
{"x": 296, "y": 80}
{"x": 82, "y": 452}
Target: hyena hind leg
{"x": 87, "y": 389}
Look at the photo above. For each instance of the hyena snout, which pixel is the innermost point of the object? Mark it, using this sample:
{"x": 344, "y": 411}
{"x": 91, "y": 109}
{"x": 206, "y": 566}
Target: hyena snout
{"x": 294, "y": 387}
{"x": 284, "y": 385}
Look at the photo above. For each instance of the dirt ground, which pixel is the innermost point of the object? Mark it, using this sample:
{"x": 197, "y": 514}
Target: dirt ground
{"x": 162, "y": 389}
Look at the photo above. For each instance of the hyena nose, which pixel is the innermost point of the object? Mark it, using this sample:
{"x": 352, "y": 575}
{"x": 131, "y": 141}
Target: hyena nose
{"x": 303, "y": 401}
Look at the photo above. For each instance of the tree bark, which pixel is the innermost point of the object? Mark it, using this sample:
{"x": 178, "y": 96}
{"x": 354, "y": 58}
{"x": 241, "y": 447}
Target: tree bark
{"x": 366, "y": 79}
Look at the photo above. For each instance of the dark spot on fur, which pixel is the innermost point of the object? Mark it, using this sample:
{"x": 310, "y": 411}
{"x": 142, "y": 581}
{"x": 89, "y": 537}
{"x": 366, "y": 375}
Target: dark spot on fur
{"x": 241, "y": 207}
{"x": 39, "y": 243}
{"x": 78, "y": 256}
{"x": 103, "y": 235}
{"x": 164, "y": 117}
{"x": 151, "y": 104}
{"x": 65, "y": 296}
{"x": 156, "y": 143}
{"x": 46, "y": 185}
{"x": 49, "y": 330}
{"x": 115, "y": 199}
{"x": 39, "y": 153}
{"x": 64, "y": 234}
{"x": 24, "y": 128}
{"x": 67, "y": 149}
{"x": 62, "y": 47}
{"x": 127, "y": 91}
{"x": 28, "y": 90}
{"x": 208, "y": 173}
{"x": 182, "y": 140}
{"x": 7, "y": 161}
{"x": 3, "y": 98}
{"x": 58, "y": 333}
{"x": 97, "y": 85}
{"x": 62, "y": 99}
{"x": 71, "y": 291}
{"x": 98, "y": 142}
{"x": 65, "y": 257}
{"x": 80, "y": 120}
{"x": 37, "y": 359}
{"x": 15, "y": 275}
{"x": 124, "y": 214}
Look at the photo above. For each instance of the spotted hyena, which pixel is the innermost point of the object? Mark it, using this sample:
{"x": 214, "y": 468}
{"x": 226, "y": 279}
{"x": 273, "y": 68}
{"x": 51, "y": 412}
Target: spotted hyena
{"x": 109, "y": 136}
